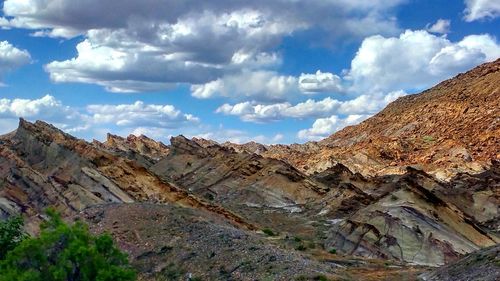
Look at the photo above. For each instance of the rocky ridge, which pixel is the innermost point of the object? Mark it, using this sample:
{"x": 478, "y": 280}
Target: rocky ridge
{"x": 451, "y": 128}
{"x": 384, "y": 199}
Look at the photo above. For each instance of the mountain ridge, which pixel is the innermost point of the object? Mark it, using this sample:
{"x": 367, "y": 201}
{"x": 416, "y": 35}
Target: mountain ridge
{"x": 342, "y": 208}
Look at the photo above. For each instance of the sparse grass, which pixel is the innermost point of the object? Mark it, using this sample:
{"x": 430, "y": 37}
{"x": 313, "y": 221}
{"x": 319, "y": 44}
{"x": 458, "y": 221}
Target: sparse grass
{"x": 428, "y": 139}
{"x": 171, "y": 272}
{"x": 320, "y": 278}
{"x": 269, "y": 232}
{"x": 394, "y": 197}
{"x": 300, "y": 248}
{"x": 209, "y": 196}
{"x": 297, "y": 239}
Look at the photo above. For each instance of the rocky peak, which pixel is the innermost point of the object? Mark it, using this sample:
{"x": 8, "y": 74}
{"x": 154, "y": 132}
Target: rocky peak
{"x": 182, "y": 145}
{"x": 139, "y": 144}
{"x": 41, "y": 130}
{"x": 249, "y": 147}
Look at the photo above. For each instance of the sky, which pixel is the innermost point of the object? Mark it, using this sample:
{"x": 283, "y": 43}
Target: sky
{"x": 271, "y": 71}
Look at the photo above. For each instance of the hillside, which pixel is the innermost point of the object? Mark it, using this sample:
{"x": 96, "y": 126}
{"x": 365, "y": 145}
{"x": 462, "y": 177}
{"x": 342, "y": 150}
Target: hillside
{"x": 367, "y": 203}
{"x": 451, "y": 128}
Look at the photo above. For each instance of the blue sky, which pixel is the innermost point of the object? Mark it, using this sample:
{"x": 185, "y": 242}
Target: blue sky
{"x": 278, "y": 71}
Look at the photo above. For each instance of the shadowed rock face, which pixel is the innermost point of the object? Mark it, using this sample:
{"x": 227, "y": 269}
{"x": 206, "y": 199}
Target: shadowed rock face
{"x": 362, "y": 200}
{"x": 480, "y": 265}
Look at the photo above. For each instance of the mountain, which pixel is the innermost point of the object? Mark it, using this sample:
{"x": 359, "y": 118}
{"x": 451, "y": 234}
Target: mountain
{"x": 415, "y": 187}
{"x": 451, "y": 128}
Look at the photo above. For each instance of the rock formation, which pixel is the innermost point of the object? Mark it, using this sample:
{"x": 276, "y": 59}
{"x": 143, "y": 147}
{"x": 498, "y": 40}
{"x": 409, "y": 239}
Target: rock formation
{"x": 415, "y": 186}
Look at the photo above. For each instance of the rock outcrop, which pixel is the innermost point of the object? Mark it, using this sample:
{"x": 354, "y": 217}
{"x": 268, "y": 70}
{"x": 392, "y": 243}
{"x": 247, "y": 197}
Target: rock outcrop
{"x": 451, "y": 128}
{"x": 415, "y": 186}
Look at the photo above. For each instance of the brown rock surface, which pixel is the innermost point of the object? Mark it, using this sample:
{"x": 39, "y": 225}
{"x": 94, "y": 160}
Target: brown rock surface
{"x": 451, "y": 128}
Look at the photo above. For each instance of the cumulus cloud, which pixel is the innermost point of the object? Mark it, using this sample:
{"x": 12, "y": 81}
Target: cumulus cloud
{"x": 150, "y": 45}
{"x": 94, "y": 119}
{"x": 320, "y": 82}
{"x": 259, "y": 85}
{"x": 139, "y": 114}
{"x": 12, "y": 58}
{"x": 45, "y": 108}
{"x": 262, "y": 113}
{"x": 324, "y": 127}
{"x": 441, "y": 26}
{"x": 481, "y": 9}
{"x": 422, "y": 60}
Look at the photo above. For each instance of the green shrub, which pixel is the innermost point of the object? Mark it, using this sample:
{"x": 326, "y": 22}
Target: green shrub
{"x": 268, "y": 232}
{"x": 65, "y": 252}
{"x": 300, "y": 248}
{"x": 428, "y": 138}
{"x": 333, "y": 251}
{"x": 11, "y": 235}
{"x": 320, "y": 278}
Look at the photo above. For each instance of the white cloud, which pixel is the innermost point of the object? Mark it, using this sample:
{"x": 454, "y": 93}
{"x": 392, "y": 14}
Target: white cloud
{"x": 481, "y": 9}
{"x": 422, "y": 60}
{"x": 441, "y": 26}
{"x": 257, "y": 85}
{"x": 11, "y": 58}
{"x": 262, "y": 113}
{"x": 95, "y": 120}
{"x": 139, "y": 114}
{"x": 320, "y": 82}
{"x": 46, "y": 108}
{"x": 150, "y": 45}
{"x": 324, "y": 127}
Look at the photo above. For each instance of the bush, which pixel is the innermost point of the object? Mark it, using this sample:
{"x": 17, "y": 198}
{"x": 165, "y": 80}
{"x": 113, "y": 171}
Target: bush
{"x": 11, "y": 235}
{"x": 300, "y": 248}
{"x": 268, "y": 232}
{"x": 333, "y": 251}
{"x": 65, "y": 252}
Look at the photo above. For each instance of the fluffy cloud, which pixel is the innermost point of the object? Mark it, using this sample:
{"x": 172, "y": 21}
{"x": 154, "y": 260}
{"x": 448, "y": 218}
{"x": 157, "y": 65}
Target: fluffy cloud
{"x": 440, "y": 26}
{"x": 261, "y": 113}
{"x": 422, "y": 60}
{"x": 139, "y": 114}
{"x": 324, "y": 127}
{"x": 320, "y": 82}
{"x": 46, "y": 108}
{"x": 258, "y": 85}
{"x": 152, "y": 45}
{"x": 95, "y": 119}
{"x": 480, "y": 9}
{"x": 11, "y": 58}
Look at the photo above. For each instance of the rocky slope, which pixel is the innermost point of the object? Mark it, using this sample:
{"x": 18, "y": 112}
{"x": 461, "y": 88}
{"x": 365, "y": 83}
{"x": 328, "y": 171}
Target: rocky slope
{"x": 480, "y": 265}
{"x": 451, "y": 128}
{"x": 368, "y": 203}
{"x": 411, "y": 218}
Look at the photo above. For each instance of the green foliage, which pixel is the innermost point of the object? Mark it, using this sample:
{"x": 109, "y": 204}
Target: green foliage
{"x": 428, "y": 139}
{"x": 268, "y": 232}
{"x": 11, "y": 235}
{"x": 320, "y": 278}
{"x": 65, "y": 252}
{"x": 300, "y": 248}
{"x": 333, "y": 251}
